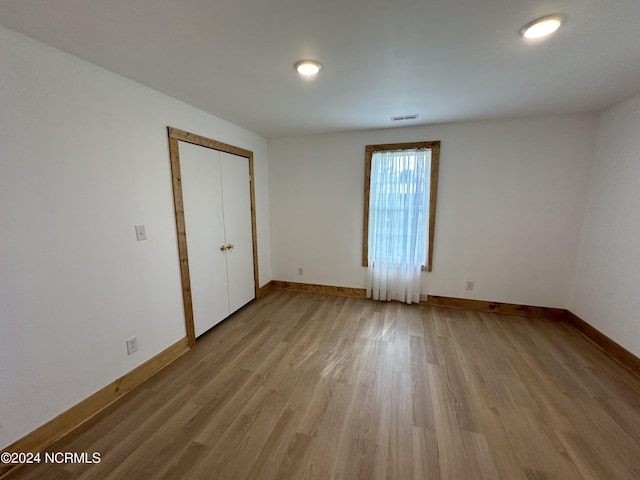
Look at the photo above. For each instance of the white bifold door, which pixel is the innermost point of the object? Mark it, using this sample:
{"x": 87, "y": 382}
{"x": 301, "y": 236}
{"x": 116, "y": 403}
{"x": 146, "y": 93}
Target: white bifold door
{"x": 217, "y": 212}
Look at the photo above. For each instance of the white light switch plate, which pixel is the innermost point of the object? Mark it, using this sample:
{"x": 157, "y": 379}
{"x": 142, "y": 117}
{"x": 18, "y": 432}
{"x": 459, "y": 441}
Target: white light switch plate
{"x": 141, "y": 232}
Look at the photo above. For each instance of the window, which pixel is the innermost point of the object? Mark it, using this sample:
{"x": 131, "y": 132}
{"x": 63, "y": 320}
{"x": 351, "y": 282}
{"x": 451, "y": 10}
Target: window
{"x": 401, "y": 183}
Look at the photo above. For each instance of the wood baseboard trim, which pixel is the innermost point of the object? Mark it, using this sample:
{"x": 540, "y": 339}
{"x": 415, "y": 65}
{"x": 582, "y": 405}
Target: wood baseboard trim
{"x": 497, "y": 307}
{"x": 324, "y": 289}
{"x": 45, "y": 435}
{"x": 264, "y": 290}
{"x": 432, "y": 300}
{"x": 616, "y": 351}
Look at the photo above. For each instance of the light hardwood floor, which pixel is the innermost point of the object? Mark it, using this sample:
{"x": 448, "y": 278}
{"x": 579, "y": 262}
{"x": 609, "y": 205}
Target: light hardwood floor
{"x": 300, "y": 385}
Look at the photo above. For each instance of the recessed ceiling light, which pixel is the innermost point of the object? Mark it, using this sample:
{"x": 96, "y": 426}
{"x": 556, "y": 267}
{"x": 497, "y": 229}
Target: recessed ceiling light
{"x": 308, "y": 67}
{"x": 541, "y": 27}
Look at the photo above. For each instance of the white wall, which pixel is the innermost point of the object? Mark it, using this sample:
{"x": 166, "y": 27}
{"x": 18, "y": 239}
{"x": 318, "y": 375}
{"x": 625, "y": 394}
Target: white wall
{"x": 606, "y": 287}
{"x": 84, "y": 158}
{"x": 510, "y": 206}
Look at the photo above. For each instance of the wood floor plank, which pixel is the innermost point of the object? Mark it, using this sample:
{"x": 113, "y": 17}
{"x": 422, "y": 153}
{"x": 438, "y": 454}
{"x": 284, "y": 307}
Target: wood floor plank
{"x": 357, "y": 446}
{"x": 292, "y": 463}
{"x": 422, "y": 407}
{"x": 307, "y": 386}
{"x": 400, "y": 453}
{"x": 218, "y": 425}
{"x": 480, "y": 454}
{"x": 425, "y": 458}
{"x": 325, "y": 430}
{"x": 275, "y": 447}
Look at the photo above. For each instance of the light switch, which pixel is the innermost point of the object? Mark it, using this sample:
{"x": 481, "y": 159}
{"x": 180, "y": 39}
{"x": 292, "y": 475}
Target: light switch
{"x": 141, "y": 232}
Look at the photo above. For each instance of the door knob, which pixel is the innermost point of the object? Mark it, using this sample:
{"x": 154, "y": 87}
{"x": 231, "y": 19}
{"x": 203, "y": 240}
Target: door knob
{"x": 230, "y": 246}
{"x": 222, "y": 248}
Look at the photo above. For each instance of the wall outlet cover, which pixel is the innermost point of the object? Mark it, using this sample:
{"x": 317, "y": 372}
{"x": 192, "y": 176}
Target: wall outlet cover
{"x": 132, "y": 345}
{"x": 141, "y": 232}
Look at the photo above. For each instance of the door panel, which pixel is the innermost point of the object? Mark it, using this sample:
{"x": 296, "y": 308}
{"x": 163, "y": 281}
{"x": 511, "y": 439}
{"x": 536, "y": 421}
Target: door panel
{"x": 236, "y": 196}
{"x": 204, "y": 223}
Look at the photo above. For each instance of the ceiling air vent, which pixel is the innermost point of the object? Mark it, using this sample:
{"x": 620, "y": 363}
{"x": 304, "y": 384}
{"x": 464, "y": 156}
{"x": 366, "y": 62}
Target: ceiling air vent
{"x": 404, "y": 117}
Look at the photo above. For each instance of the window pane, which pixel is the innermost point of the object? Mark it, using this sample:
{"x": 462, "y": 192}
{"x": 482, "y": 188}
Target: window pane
{"x": 429, "y": 186}
{"x": 398, "y": 206}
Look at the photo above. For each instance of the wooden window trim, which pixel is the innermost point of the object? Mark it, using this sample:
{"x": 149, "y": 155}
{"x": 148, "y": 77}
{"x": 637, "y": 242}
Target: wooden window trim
{"x": 433, "y": 191}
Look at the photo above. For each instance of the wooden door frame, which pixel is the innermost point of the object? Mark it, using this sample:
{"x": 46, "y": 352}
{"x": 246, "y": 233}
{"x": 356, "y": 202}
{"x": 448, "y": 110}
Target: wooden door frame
{"x": 175, "y": 136}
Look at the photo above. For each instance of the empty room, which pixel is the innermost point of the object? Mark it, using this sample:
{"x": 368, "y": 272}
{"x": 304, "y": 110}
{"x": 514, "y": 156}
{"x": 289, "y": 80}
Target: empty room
{"x": 319, "y": 240}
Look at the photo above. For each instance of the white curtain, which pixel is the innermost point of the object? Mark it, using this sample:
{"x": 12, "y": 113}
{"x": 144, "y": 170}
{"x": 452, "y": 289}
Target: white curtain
{"x": 398, "y": 220}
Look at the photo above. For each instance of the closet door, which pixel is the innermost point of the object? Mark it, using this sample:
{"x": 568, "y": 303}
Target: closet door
{"x": 236, "y": 194}
{"x": 204, "y": 225}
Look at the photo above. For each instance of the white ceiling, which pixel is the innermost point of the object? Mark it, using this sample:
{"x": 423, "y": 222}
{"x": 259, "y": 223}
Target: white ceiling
{"x": 446, "y": 60}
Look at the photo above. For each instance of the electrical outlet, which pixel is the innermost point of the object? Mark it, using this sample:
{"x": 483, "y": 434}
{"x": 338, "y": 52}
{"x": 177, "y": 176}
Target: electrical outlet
{"x": 132, "y": 345}
{"x": 300, "y": 271}
{"x": 141, "y": 232}
{"x": 469, "y": 285}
